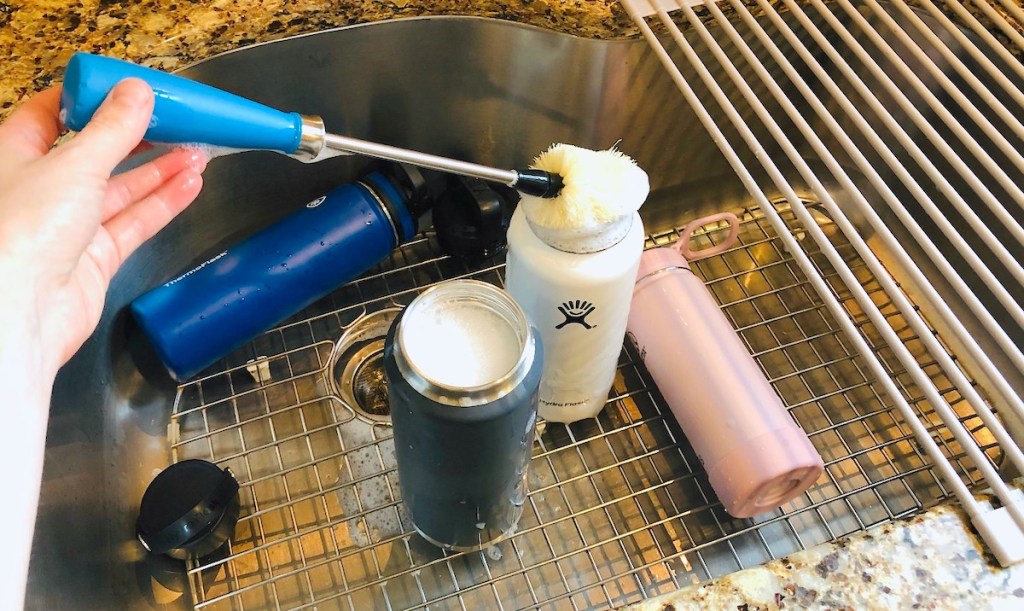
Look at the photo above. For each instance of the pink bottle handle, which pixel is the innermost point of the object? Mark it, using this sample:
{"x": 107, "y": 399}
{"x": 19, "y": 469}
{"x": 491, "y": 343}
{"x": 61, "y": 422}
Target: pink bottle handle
{"x": 684, "y": 239}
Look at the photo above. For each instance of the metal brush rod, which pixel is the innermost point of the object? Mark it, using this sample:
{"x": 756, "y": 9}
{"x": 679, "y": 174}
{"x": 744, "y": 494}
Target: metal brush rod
{"x": 376, "y": 150}
{"x": 530, "y": 181}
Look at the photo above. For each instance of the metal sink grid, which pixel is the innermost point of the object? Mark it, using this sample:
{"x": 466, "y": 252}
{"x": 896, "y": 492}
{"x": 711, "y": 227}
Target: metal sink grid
{"x": 619, "y": 507}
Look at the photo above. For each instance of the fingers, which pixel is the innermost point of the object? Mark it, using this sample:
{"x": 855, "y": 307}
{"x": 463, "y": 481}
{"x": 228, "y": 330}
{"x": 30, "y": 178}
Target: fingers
{"x": 33, "y": 127}
{"x": 132, "y": 186}
{"x": 115, "y": 130}
{"x": 138, "y": 222}
{"x": 142, "y": 147}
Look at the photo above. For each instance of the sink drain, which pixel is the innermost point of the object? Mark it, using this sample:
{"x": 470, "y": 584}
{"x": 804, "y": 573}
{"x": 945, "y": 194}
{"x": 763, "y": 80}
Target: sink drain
{"x": 369, "y": 387}
{"x": 357, "y": 366}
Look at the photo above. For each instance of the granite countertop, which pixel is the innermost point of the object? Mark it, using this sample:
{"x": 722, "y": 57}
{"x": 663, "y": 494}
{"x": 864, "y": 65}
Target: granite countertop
{"x": 41, "y": 35}
{"x": 928, "y": 561}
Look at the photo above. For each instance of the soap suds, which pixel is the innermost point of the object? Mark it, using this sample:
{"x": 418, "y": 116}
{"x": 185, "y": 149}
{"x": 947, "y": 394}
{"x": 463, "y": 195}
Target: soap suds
{"x": 149, "y": 151}
{"x": 329, "y": 153}
{"x": 211, "y": 151}
{"x": 461, "y": 344}
{"x": 600, "y": 188}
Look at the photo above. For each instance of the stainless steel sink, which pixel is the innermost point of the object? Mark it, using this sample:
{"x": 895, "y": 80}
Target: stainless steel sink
{"x": 619, "y": 509}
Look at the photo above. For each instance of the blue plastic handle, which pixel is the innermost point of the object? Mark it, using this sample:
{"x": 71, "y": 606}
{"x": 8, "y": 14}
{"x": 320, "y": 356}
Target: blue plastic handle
{"x": 185, "y": 111}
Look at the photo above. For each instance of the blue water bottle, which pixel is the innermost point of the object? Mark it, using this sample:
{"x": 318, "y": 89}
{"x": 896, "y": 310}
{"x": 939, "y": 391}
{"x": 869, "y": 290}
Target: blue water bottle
{"x": 208, "y": 311}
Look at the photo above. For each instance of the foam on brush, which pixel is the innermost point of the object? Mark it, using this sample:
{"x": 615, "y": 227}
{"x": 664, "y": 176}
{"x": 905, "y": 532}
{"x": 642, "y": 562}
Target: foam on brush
{"x": 600, "y": 188}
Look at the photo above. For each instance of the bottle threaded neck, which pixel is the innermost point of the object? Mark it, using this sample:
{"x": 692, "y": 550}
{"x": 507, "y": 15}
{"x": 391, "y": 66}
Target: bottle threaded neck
{"x": 583, "y": 240}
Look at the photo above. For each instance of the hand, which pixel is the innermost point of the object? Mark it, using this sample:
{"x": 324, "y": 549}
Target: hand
{"x": 66, "y": 226}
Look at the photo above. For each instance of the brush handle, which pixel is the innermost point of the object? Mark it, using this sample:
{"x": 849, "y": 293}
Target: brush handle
{"x": 185, "y": 111}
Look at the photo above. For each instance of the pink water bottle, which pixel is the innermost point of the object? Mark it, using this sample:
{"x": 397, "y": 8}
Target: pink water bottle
{"x": 757, "y": 458}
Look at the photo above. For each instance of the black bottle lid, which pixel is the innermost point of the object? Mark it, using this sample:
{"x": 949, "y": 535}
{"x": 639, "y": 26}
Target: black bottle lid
{"x": 471, "y": 218}
{"x": 184, "y": 505}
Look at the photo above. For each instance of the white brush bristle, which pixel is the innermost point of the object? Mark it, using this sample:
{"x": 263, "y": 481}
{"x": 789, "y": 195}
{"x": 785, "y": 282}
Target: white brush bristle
{"x": 600, "y": 187}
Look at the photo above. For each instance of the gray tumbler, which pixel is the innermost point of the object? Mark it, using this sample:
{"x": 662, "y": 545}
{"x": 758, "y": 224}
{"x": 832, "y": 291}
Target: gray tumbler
{"x": 463, "y": 366}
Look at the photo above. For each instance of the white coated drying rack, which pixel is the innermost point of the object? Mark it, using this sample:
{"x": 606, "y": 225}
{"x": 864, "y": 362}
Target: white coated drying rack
{"x": 968, "y": 117}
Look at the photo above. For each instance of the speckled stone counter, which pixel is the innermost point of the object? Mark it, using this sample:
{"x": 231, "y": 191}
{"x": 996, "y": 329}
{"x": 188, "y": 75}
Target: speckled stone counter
{"x": 38, "y": 36}
{"x": 930, "y": 561}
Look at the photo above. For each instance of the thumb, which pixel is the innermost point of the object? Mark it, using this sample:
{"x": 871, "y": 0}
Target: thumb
{"x": 115, "y": 130}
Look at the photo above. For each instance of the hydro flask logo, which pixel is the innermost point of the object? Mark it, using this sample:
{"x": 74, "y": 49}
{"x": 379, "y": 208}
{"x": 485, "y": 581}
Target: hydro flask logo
{"x": 576, "y": 312}
{"x": 316, "y": 202}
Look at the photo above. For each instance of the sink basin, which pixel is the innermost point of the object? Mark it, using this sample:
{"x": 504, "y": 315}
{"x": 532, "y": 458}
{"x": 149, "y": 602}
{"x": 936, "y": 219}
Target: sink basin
{"x": 619, "y": 509}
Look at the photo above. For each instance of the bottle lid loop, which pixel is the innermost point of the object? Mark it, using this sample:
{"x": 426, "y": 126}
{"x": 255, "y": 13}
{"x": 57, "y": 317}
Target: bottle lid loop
{"x": 683, "y": 245}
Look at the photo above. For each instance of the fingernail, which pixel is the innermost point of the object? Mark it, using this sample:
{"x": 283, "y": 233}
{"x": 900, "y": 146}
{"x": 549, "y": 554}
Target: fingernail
{"x": 190, "y": 181}
{"x": 197, "y": 160}
{"x": 133, "y": 92}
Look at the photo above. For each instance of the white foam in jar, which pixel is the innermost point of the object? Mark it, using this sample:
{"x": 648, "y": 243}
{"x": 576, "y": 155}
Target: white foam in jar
{"x": 460, "y": 343}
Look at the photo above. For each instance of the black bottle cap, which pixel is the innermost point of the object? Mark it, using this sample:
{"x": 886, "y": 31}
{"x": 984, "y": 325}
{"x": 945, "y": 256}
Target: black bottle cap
{"x": 190, "y": 507}
{"x": 471, "y": 218}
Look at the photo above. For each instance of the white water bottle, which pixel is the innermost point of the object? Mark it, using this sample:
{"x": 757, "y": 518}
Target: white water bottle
{"x": 576, "y": 286}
